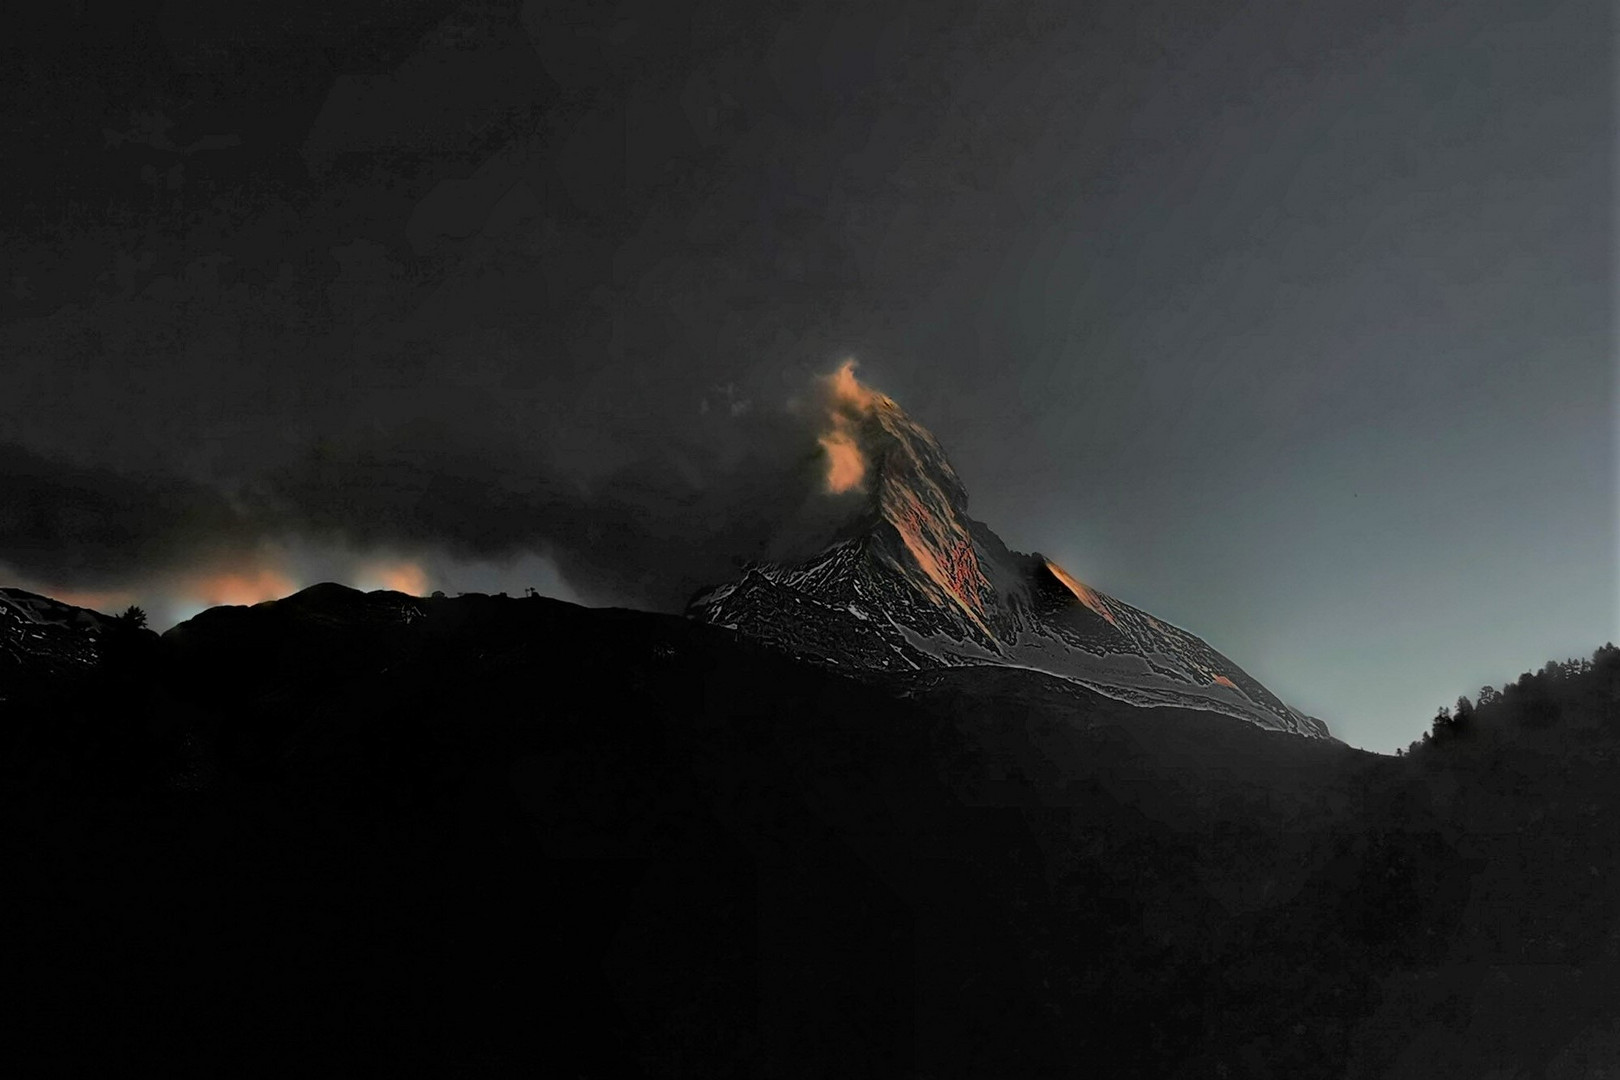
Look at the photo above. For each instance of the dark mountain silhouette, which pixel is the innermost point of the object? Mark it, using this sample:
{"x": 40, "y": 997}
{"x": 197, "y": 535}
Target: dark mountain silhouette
{"x": 347, "y": 833}
{"x": 911, "y": 582}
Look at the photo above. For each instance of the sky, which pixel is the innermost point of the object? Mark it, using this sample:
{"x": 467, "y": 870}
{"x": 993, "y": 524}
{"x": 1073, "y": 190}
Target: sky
{"x": 1290, "y": 324}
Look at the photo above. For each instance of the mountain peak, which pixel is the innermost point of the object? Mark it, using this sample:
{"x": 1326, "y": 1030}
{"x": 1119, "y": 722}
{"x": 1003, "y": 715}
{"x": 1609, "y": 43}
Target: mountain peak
{"x": 916, "y": 583}
{"x": 874, "y": 446}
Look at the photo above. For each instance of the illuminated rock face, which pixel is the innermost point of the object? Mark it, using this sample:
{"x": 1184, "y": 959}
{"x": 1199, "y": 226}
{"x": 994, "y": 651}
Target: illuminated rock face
{"x": 915, "y": 583}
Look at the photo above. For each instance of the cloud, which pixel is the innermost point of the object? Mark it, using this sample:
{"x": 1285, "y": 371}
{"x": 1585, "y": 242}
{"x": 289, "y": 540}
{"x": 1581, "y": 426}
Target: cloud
{"x": 679, "y": 511}
{"x": 95, "y": 527}
{"x": 651, "y": 528}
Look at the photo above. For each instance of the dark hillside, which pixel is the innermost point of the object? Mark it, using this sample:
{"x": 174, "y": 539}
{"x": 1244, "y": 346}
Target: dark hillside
{"x": 357, "y": 832}
{"x": 1527, "y": 782}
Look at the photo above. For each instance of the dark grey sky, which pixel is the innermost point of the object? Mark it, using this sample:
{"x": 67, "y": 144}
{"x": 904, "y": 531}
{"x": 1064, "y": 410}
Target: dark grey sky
{"x": 1291, "y": 324}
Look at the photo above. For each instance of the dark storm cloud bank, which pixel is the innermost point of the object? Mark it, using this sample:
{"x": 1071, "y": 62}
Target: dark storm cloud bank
{"x": 76, "y": 525}
{"x": 651, "y": 531}
{"x": 648, "y": 532}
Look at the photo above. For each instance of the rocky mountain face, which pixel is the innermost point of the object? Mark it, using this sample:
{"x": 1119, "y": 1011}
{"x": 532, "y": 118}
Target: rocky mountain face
{"x": 42, "y": 639}
{"x": 912, "y": 582}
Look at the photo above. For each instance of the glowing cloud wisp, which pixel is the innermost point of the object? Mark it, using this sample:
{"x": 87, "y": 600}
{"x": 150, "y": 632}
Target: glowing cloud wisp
{"x": 849, "y": 403}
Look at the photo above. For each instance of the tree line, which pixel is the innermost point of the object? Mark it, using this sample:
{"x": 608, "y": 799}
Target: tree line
{"x": 1588, "y": 686}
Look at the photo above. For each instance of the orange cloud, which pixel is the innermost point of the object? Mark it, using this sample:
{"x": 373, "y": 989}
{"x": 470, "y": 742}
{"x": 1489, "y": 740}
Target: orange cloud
{"x": 405, "y": 577}
{"x": 846, "y": 465}
{"x": 239, "y": 587}
{"x": 849, "y": 393}
{"x": 105, "y": 602}
{"x": 850, "y": 401}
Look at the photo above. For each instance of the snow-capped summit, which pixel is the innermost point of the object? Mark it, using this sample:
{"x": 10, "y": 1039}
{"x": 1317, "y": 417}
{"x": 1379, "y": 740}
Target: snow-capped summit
{"x": 913, "y": 582}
